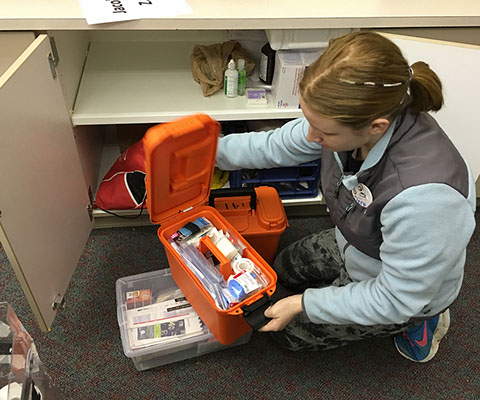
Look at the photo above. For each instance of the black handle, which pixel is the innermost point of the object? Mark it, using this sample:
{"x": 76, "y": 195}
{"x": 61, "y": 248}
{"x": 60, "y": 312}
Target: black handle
{"x": 5, "y": 347}
{"x": 234, "y": 192}
{"x": 254, "y": 314}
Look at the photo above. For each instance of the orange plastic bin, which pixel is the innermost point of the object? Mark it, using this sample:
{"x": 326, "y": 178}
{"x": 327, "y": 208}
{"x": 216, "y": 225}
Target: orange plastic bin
{"x": 180, "y": 159}
{"x": 256, "y": 213}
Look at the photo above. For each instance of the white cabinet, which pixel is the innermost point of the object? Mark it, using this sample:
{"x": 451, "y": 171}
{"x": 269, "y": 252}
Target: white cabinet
{"x": 44, "y": 220}
{"x": 52, "y": 129}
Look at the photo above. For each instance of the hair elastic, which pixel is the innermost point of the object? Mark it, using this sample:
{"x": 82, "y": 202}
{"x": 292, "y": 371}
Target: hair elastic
{"x": 381, "y": 84}
{"x": 411, "y": 73}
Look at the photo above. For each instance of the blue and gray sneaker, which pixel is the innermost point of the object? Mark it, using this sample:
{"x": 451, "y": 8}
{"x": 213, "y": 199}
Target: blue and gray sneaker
{"x": 420, "y": 343}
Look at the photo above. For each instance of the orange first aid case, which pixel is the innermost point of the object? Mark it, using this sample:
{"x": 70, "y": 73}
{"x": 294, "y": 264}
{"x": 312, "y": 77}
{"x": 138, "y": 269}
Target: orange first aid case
{"x": 180, "y": 159}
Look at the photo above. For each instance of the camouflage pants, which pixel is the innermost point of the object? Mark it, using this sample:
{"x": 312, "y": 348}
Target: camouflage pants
{"x": 315, "y": 261}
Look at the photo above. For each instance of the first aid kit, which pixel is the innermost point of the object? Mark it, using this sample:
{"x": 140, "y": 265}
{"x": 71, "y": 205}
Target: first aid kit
{"x": 199, "y": 241}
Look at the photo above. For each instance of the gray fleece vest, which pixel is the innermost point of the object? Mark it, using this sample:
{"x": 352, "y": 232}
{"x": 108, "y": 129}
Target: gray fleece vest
{"x": 419, "y": 153}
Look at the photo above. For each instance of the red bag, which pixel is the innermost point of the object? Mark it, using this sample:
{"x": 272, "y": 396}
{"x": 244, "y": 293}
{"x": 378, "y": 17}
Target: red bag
{"x": 123, "y": 187}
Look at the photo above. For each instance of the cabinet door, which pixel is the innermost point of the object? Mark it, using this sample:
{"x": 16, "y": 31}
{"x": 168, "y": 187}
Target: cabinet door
{"x": 44, "y": 221}
{"x": 457, "y": 65}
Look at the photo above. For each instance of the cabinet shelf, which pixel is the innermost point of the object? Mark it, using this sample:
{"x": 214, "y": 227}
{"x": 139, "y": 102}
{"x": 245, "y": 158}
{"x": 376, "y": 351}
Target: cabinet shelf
{"x": 150, "y": 82}
{"x": 318, "y": 199}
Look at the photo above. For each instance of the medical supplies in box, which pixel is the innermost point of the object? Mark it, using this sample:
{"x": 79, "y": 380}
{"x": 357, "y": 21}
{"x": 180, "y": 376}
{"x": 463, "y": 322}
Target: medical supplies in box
{"x": 286, "y": 79}
{"x": 158, "y": 325}
{"x": 206, "y": 254}
{"x": 289, "y": 69}
{"x": 256, "y": 213}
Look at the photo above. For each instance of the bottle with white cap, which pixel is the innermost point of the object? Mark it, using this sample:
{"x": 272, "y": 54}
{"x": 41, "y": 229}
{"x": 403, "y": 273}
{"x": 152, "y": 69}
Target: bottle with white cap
{"x": 242, "y": 76}
{"x": 231, "y": 80}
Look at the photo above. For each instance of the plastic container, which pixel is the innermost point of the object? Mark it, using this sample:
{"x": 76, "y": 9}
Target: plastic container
{"x": 176, "y": 349}
{"x": 256, "y": 213}
{"x": 22, "y": 374}
{"x": 267, "y": 64}
{"x": 180, "y": 159}
{"x": 231, "y": 80}
{"x": 286, "y": 39}
{"x": 242, "y": 76}
{"x": 290, "y": 182}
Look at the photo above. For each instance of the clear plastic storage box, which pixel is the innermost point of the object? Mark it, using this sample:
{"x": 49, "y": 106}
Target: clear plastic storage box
{"x": 157, "y": 324}
{"x": 287, "y": 39}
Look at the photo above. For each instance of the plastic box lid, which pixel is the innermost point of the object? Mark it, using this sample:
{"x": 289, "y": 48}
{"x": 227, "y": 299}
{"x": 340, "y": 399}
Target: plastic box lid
{"x": 180, "y": 161}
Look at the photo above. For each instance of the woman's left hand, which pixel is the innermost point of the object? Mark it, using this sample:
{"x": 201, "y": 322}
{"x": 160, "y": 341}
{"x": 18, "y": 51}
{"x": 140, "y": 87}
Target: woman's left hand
{"x": 282, "y": 312}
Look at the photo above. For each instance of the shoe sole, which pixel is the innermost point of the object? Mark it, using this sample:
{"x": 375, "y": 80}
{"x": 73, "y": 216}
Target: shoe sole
{"x": 440, "y": 331}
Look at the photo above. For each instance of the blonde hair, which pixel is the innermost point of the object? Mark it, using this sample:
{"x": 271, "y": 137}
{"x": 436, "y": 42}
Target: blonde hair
{"x": 362, "y": 76}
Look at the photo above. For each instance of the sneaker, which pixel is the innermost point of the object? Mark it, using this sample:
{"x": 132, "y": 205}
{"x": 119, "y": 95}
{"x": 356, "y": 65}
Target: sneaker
{"x": 420, "y": 343}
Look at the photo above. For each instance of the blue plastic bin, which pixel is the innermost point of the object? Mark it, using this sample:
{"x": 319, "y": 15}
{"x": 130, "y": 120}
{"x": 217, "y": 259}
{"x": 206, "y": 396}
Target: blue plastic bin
{"x": 290, "y": 182}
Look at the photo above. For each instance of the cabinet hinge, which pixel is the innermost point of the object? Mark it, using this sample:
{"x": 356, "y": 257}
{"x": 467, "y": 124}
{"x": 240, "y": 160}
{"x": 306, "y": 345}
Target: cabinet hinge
{"x": 53, "y": 57}
{"x": 58, "y": 303}
{"x": 90, "y": 206}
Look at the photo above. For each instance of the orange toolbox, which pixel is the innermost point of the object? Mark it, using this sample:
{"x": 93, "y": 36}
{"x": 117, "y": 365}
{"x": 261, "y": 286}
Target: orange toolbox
{"x": 180, "y": 160}
{"x": 256, "y": 213}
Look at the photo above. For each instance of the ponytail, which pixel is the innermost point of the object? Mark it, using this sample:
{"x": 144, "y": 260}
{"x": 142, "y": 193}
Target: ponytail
{"x": 425, "y": 89}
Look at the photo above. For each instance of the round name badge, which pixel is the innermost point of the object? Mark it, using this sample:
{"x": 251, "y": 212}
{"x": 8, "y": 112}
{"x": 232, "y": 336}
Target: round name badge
{"x": 362, "y": 195}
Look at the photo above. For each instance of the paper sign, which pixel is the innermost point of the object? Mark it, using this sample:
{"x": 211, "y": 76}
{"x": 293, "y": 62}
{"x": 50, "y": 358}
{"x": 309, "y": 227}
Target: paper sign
{"x": 103, "y": 11}
{"x": 163, "y": 8}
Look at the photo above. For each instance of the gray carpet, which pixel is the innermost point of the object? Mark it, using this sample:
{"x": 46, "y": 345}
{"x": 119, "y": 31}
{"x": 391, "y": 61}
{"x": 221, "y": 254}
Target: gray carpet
{"x": 84, "y": 355}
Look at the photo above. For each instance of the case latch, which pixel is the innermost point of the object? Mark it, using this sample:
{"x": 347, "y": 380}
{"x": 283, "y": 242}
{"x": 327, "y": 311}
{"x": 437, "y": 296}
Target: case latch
{"x": 254, "y": 314}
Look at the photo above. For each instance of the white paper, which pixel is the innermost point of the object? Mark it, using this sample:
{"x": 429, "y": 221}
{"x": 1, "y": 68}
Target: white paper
{"x": 104, "y": 11}
{"x": 163, "y": 8}
{"x": 149, "y": 335}
{"x": 167, "y": 321}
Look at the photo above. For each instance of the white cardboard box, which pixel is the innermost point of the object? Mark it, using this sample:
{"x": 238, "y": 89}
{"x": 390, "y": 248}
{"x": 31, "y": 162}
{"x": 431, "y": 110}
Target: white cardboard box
{"x": 286, "y": 79}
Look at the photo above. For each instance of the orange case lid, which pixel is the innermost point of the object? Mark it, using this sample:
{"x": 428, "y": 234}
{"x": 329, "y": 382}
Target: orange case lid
{"x": 180, "y": 159}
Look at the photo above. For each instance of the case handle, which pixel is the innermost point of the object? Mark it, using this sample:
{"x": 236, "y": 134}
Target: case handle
{"x": 225, "y": 264}
{"x": 234, "y": 192}
{"x": 254, "y": 314}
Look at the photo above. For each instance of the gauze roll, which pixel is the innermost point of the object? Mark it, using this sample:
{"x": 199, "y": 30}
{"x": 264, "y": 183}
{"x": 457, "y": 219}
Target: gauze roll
{"x": 226, "y": 248}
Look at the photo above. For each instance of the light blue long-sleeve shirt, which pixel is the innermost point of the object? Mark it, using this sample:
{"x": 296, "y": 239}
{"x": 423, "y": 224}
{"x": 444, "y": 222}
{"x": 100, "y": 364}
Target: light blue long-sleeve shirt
{"x": 425, "y": 232}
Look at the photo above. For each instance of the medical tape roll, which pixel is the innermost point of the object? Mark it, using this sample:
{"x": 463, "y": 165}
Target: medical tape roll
{"x": 226, "y": 248}
{"x": 243, "y": 264}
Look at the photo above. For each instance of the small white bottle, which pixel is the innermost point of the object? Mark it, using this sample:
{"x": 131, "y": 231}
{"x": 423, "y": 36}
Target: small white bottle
{"x": 231, "y": 80}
